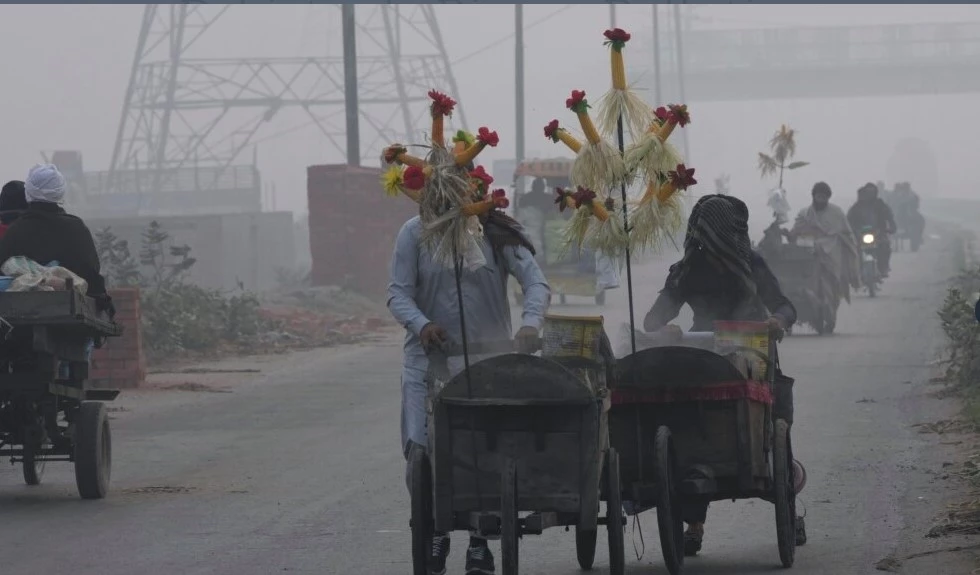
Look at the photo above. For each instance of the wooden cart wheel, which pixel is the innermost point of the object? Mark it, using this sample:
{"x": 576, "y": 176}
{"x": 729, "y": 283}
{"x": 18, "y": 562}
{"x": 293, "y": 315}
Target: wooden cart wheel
{"x": 669, "y": 520}
{"x": 585, "y": 542}
{"x": 614, "y": 515}
{"x": 783, "y": 494}
{"x": 509, "y": 524}
{"x": 93, "y": 450}
{"x": 33, "y": 466}
{"x": 422, "y": 515}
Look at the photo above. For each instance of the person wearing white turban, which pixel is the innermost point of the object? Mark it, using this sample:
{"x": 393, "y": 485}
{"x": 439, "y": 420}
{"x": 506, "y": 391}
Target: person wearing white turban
{"x": 45, "y": 233}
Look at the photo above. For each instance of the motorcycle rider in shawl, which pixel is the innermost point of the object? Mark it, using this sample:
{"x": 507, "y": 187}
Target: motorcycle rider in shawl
{"x": 721, "y": 278}
{"x": 422, "y": 296}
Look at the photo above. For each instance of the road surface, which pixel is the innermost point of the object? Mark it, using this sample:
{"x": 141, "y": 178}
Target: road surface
{"x": 297, "y": 469}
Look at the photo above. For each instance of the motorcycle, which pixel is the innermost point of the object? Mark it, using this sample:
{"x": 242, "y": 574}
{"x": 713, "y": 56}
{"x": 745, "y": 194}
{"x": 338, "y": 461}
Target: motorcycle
{"x": 870, "y": 275}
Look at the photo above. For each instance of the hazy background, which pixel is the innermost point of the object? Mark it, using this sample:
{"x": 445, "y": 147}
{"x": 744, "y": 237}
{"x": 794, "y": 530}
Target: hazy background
{"x": 65, "y": 69}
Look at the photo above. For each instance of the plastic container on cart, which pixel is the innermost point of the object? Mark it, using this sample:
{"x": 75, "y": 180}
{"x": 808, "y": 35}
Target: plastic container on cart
{"x": 748, "y": 334}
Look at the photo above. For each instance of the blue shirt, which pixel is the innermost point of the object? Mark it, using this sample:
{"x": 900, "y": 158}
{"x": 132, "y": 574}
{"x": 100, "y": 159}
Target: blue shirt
{"x": 422, "y": 291}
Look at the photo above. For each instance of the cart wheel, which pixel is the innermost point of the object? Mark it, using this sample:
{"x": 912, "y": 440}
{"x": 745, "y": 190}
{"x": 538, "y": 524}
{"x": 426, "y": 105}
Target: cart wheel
{"x": 93, "y": 450}
{"x": 669, "y": 520}
{"x": 614, "y": 515}
{"x": 509, "y": 525}
{"x": 33, "y": 466}
{"x": 783, "y": 494}
{"x": 422, "y": 528}
{"x": 585, "y": 542}
{"x": 600, "y": 298}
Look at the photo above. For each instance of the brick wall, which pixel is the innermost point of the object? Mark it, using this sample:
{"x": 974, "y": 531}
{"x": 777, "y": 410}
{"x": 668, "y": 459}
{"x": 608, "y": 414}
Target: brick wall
{"x": 353, "y": 226}
{"x": 120, "y": 363}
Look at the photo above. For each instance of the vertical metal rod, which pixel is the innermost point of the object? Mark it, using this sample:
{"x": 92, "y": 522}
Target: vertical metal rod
{"x": 658, "y": 90}
{"x": 350, "y": 85}
{"x": 519, "y": 91}
{"x": 626, "y": 226}
{"x": 680, "y": 72}
{"x": 612, "y": 15}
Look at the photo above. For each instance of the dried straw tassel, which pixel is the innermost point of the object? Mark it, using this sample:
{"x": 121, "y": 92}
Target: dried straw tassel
{"x": 620, "y": 101}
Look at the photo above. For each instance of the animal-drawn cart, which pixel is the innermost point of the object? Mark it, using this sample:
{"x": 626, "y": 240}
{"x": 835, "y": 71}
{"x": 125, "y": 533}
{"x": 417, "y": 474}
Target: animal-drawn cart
{"x": 694, "y": 422}
{"x": 518, "y": 444}
{"x": 48, "y": 411}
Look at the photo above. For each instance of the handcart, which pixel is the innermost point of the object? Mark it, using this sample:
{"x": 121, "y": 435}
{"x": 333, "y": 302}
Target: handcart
{"x": 517, "y": 444}
{"x": 48, "y": 411}
{"x": 703, "y": 420}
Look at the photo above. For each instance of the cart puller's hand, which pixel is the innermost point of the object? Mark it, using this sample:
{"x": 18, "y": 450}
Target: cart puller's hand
{"x": 433, "y": 337}
{"x": 526, "y": 340}
{"x": 776, "y": 328}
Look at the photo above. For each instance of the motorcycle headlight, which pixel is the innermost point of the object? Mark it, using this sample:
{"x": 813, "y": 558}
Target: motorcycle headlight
{"x": 868, "y": 238}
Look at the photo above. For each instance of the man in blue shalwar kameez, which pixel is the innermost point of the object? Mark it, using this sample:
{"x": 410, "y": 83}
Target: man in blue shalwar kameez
{"x": 422, "y": 296}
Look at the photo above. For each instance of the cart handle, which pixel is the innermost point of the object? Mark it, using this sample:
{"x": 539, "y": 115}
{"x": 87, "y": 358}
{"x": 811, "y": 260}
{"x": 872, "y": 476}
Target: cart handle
{"x": 502, "y": 346}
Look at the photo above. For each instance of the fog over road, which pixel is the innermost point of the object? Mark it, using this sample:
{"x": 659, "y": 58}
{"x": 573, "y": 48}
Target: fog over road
{"x": 297, "y": 469}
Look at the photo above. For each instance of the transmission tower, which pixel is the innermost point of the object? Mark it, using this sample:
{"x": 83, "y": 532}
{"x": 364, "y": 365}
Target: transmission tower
{"x": 187, "y": 119}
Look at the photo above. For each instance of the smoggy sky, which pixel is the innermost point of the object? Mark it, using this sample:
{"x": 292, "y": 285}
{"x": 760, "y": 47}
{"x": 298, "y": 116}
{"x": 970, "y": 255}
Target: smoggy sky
{"x": 66, "y": 69}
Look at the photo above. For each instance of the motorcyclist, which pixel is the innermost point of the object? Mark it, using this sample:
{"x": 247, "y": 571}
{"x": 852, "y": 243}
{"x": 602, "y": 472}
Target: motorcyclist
{"x": 871, "y": 211}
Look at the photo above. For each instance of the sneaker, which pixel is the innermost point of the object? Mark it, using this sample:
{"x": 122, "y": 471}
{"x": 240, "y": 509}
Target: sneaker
{"x": 479, "y": 560}
{"x": 692, "y": 541}
{"x": 800, "y": 532}
{"x": 440, "y": 551}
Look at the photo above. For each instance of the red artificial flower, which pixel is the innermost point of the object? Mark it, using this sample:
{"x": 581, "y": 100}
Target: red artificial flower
{"x": 679, "y": 113}
{"x": 442, "y": 105}
{"x": 662, "y": 114}
{"x": 560, "y": 199}
{"x": 485, "y": 179}
{"x": 499, "y": 198}
{"x": 392, "y": 153}
{"x": 617, "y": 38}
{"x": 682, "y": 177}
{"x": 413, "y": 178}
{"x": 577, "y": 102}
{"x": 551, "y": 131}
{"x": 487, "y": 137}
{"x": 583, "y": 196}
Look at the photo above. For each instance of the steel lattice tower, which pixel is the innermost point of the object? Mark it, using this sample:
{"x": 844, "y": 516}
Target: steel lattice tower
{"x": 185, "y": 114}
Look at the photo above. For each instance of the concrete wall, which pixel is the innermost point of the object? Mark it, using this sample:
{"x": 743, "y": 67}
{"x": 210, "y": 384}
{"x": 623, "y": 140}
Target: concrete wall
{"x": 230, "y": 248}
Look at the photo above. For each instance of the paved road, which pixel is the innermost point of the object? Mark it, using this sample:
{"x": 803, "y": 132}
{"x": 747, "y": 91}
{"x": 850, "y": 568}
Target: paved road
{"x": 297, "y": 469}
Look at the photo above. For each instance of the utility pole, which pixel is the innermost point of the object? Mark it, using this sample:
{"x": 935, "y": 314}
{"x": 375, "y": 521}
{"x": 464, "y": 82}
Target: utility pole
{"x": 658, "y": 91}
{"x": 519, "y": 91}
{"x": 680, "y": 72}
{"x": 350, "y": 85}
{"x": 612, "y": 15}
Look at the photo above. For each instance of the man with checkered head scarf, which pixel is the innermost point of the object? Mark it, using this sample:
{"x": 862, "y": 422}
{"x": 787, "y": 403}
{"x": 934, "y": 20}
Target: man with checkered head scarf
{"x": 722, "y": 279}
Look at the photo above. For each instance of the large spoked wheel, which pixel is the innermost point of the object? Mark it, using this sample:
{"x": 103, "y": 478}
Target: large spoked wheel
{"x": 93, "y": 450}
{"x": 669, "y": 520}
{"x": 422, "y": 528}
{"x": 509, "y": 524}
{"x": 585, "y": 542}
{"x": 784, "y": 495}
{"x": 614, "y": 515}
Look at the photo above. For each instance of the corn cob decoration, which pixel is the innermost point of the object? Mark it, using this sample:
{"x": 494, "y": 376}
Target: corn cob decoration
{"x": 442, "y": 106}
{"x": 556, "y": 133}
{"x": 598, "y": 165}
{"x": 652, "y": 155}
{"x": 592, "y": 224}
{"x": 659, "y": 213}
{"x": 451, "y": 199}
{"x": 620, "y": 101}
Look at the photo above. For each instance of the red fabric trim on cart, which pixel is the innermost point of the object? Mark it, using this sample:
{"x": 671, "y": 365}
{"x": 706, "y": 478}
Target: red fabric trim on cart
{"x": 723, "y": 391}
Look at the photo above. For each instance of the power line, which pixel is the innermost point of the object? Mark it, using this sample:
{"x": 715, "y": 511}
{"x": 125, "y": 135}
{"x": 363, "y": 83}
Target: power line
{"x": 510, "y": 36}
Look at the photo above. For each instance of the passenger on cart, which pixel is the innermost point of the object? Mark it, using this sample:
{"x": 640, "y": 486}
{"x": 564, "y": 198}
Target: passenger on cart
{"x": 422, "y": 296}
{"x": 722, "y": 279}
{"x": 13, "y": 203}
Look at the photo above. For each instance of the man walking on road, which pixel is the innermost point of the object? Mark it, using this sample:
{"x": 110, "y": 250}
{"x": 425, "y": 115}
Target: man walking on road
{"x": 422, "y": 296}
